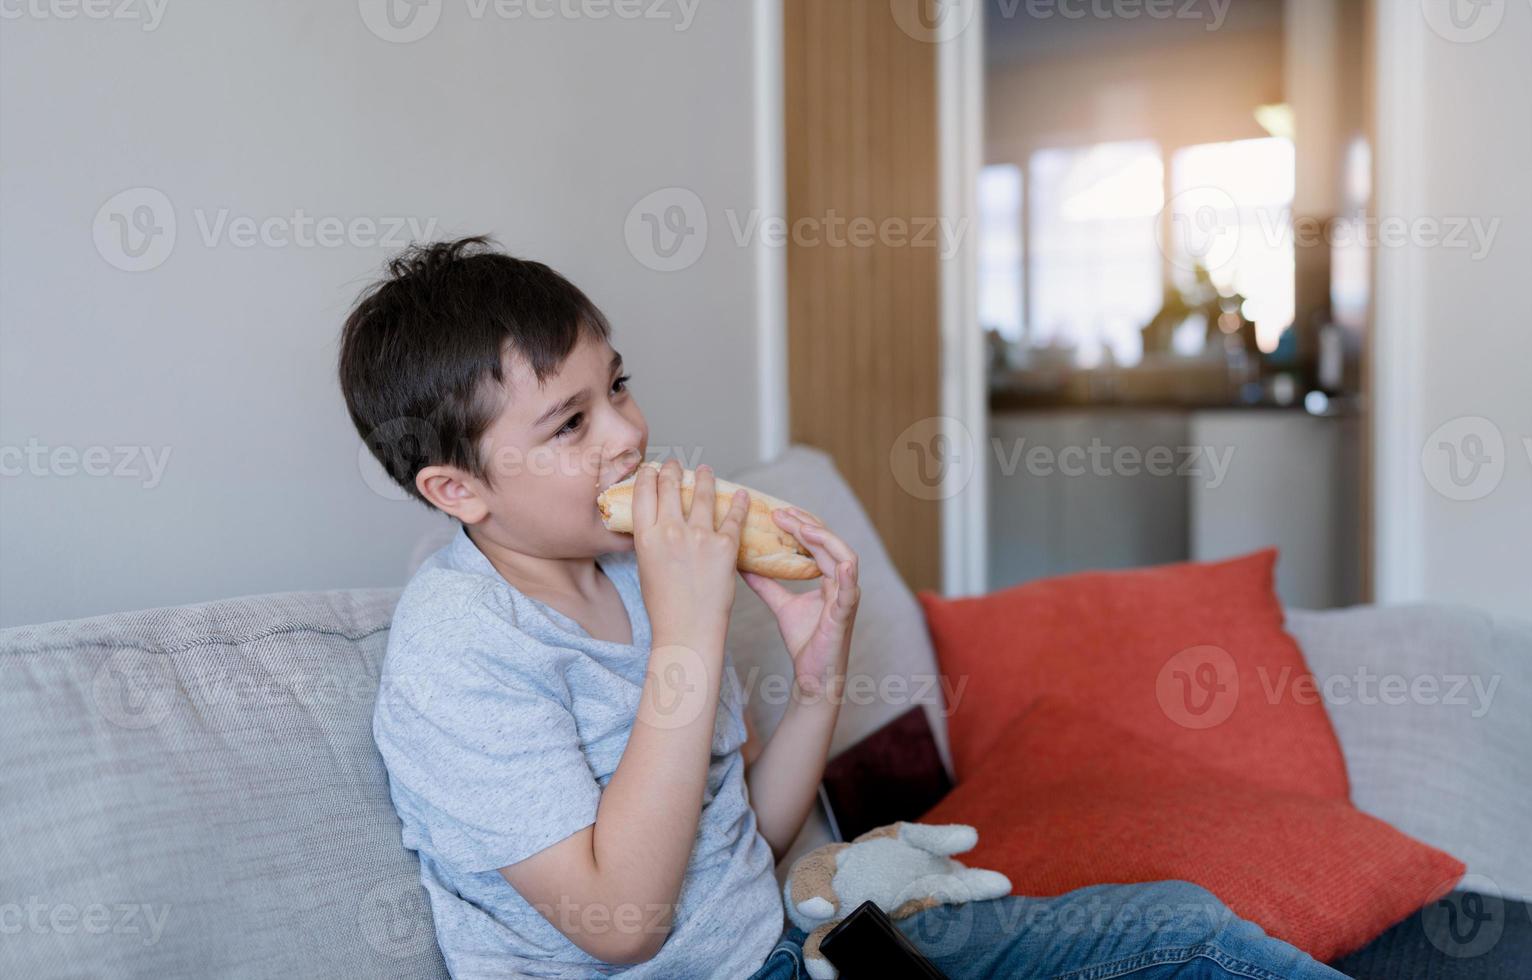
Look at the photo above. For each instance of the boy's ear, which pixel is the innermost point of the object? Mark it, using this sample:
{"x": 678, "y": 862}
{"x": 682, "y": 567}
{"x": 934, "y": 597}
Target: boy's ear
{"x": 448, "y": 491}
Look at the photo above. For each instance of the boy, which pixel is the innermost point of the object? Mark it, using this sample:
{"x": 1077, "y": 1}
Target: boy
{"x": 565, "y": 747}
{"x": 576, "y": 799}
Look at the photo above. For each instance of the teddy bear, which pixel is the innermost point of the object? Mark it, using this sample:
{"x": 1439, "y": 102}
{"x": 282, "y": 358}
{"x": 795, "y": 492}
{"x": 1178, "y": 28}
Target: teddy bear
{"x": 902, "y": 867}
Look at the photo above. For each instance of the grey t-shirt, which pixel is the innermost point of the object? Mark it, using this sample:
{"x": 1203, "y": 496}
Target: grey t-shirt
{"x": 501, "y": 720}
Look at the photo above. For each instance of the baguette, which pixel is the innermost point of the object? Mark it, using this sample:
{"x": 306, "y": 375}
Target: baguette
{"x": 764, "y": 548}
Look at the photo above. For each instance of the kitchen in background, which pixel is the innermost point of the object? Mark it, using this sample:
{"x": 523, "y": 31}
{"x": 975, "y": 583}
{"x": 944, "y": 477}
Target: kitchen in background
{"x": 1175, "y": 288}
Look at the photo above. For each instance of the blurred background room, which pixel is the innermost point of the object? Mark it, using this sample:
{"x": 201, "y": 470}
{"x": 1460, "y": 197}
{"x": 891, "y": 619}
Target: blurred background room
{"x": 1144, "y": 184}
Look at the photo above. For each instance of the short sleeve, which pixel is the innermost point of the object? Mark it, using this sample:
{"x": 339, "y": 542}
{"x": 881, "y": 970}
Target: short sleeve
{"x": 485, "y": 765}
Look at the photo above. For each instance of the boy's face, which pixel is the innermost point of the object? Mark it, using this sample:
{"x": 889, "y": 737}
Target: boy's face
{"x": 551, "y": 451}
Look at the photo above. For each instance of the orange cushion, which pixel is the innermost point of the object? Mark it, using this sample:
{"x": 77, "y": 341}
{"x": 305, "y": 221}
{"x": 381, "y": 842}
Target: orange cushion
{"x": 1068, "y": 800}
{"x": 1190, "y": 656}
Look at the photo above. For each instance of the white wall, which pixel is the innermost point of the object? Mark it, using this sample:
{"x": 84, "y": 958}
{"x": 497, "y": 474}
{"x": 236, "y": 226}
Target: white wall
{"x": 543, "y": 132}
{"x": 1453, "y": 340}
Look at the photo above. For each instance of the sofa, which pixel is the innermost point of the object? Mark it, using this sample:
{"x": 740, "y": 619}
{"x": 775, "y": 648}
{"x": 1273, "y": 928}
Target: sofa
{"x": 193, "y": 791}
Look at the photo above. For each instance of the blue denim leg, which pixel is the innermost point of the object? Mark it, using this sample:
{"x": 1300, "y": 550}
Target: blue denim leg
{"x": 785, "y": 961}
{"x": 1146, "y": 932}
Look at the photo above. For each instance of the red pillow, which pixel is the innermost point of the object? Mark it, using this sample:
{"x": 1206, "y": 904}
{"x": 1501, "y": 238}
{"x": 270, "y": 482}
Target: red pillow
{"x": 1190, "y": 656}
{"x": 1068, "y": 800}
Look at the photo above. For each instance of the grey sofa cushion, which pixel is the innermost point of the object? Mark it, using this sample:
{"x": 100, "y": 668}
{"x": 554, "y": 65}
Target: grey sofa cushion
{"x": 194, "y": 792}
{"x": 1433, "y": 708}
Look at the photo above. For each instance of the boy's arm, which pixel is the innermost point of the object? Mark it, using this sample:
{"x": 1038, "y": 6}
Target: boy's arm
{"x": 612, "y": 887}
{"x": 816, "y": 627}
{"x": 751, "y": 750}
{"x": 784, "y": 773}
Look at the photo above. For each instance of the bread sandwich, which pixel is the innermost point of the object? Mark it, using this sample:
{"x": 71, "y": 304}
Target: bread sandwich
{"x": 764, "y": 548}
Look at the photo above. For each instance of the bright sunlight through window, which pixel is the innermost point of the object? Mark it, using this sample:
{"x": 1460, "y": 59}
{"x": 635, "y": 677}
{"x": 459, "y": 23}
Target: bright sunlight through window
{"x": 1000, "y": 299}
{"x": 1084, "y": 270}
{"x": 1248, "y": 184}
{"x": 1093, "y": 263}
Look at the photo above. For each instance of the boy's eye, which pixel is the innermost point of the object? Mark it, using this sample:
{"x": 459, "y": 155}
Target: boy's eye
{"x": 578, "y": 418}
{"x": 572, "y": 426}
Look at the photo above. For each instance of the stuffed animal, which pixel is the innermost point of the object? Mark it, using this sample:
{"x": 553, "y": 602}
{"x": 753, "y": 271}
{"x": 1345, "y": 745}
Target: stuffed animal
{"x": 903, "y": 868}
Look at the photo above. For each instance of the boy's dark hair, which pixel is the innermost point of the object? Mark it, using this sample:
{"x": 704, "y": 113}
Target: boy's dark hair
{"x": 422, "y": 353}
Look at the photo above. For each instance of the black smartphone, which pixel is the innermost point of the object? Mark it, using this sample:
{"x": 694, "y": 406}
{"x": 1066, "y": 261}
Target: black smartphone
{"x": 866, "y": 944}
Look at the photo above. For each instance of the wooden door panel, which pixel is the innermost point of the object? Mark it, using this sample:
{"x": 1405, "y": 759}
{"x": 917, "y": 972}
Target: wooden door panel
{"x": 863, "y": 299}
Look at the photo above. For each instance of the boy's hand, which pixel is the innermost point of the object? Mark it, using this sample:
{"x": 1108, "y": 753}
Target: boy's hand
{"x": 685, "y": 565}
{"x": 816, "y": 626}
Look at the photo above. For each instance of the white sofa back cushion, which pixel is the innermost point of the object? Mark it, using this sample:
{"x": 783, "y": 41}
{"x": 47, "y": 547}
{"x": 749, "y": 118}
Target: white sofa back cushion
{"x": 1433, "y": 708}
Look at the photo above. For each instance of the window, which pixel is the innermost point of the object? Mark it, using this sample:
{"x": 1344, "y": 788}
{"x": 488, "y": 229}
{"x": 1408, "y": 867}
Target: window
{"x": 1000, "y": 299}
{"x": 1101, "y": 244}
{"x": 1093, "y": 263}
{"x": 1233, "y": 211}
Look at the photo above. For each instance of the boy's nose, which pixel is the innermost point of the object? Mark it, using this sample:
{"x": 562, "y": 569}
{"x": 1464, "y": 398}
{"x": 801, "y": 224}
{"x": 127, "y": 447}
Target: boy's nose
{"x": 629, "y": 439}
{"x": 623, "y": 465}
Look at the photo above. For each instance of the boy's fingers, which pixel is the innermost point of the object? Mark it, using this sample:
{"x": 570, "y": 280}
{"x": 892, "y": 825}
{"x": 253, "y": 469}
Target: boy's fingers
{"x": 847, "y": 594}
{"x": 800, "y": 532}
{"x": 644, "y": 497}
{"x": 669, "y": 506}
{"x": 827, "y": 549}
{"x": 704, "y": 490}
{"x": 816, "y": 548}
{"x": 734, "y": 520}
{"x": 837, "y": 548}
{"x": 804, "y": 516}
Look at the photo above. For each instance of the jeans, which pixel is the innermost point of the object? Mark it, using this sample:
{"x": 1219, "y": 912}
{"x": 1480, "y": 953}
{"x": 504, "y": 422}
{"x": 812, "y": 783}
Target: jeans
{"x": 1146, "y": 932}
